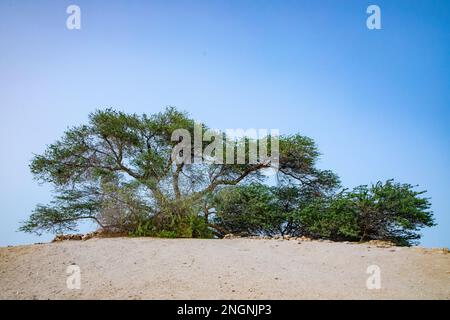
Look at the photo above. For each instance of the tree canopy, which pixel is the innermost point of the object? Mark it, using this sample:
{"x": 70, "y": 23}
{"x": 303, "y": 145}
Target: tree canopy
{"x": 119, "y": 170}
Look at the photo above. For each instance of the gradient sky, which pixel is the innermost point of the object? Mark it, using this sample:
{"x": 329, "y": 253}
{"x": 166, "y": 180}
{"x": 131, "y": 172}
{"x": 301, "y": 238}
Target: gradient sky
{"x": 375, "y": 101}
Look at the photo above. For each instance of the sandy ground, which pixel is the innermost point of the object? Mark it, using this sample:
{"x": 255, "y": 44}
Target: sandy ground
{"x": 147, "y": 268}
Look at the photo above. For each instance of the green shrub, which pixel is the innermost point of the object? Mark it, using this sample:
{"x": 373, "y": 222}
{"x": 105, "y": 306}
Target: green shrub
{"x": 383, "y": 211}
{"x": 166, "y": 234}
{"x": 143, "y": 229}
{"x": 191, "y": 226}
{"x": 329, "y": 218}
{"x": 199, "y": 227}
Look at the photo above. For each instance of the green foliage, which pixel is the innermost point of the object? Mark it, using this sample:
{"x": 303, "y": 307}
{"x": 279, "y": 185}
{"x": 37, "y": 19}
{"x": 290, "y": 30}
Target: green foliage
{"x": 118, "y": 170}
{"x": 262, "y": 210}
{"x": 167, "y": 234}
{"x": 298, "y": 157}
{"x": 48, "y": 219}
{"x": 143, "y": 229}
{"x": 191, "y": 226}
{"x": 391, "y": 211}
{"x": 385, "y": 211}
{"x": 199, "y": 227}
{"x": 329, "y": 218}
{"x": 148, "y": 229}
{"x": 247, "y": 210}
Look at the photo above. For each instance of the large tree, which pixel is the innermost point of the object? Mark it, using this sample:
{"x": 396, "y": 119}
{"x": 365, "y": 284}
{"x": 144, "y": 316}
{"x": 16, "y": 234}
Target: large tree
{"x": 118, "y": 170}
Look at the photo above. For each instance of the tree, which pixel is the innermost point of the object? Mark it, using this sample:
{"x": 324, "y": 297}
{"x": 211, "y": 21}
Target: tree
{"x": 391, "y": 211}
{"x": 384, "y": 211}
{"x": 247, "y": 210}
{"x": 119, "y": 171}
{"x": 257, "y": 209}
{"x": 387, "y": 211}
{"x": 330, "y": 217}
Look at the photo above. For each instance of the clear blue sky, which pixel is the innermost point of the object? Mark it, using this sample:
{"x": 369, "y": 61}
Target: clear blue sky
{"x": 376, "y": 102}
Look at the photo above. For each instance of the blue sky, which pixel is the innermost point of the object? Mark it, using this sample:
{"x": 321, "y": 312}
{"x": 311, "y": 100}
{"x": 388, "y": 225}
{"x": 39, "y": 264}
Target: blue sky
{"x": 375, "y": 101}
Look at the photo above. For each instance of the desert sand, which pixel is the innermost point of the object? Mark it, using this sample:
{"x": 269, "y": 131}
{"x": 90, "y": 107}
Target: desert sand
{"x": 149, "y": 268}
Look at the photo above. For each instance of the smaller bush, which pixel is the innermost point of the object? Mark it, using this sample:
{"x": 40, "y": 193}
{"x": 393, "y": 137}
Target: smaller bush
{"x": 143, "y": 229}
{"x": 191, "y": 226}
{"x": 330, "y": 218}
{"x": 199, "y": 227}
{"x": 387, "y": 211}
{"x": 166, "y": 234}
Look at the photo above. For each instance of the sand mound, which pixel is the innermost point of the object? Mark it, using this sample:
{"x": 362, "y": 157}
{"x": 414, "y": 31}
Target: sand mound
{"x": 237, "y": 268}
